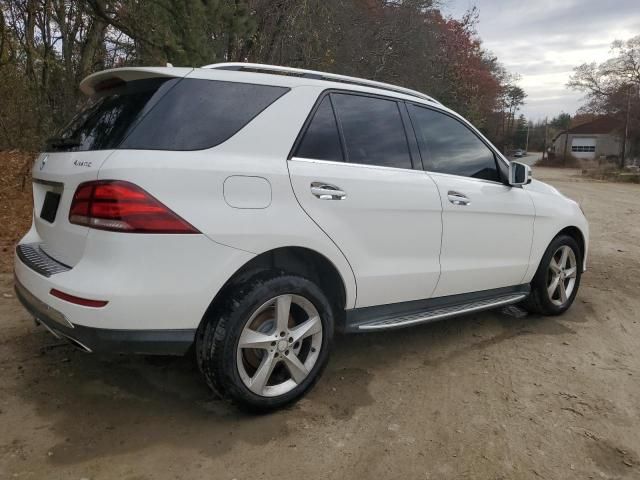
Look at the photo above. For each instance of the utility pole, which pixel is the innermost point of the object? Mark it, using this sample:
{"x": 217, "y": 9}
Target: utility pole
{"x": 566, "y": 144}
{"x": 567, "y": 127}
{"x": 626, "y": 129}
{"x": 526, "y": 147}
{"x": 544, "y": 141}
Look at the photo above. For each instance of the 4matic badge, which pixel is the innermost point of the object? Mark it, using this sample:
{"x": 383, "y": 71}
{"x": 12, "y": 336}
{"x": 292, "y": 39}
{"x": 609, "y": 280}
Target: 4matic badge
{"x": 78, "y": 163}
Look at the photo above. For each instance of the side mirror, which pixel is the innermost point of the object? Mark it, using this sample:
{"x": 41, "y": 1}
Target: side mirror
{"x": 519, "y": 174}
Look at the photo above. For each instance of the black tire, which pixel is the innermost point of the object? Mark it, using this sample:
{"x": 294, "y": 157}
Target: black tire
{"x": 539, "y": 301}
{"x": 221, "y": 333}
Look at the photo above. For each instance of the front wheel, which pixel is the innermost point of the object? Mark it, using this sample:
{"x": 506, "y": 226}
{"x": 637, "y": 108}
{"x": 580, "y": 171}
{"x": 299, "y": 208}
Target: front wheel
{"x": 555, "y": 284}
{"x": 270, "y": 342}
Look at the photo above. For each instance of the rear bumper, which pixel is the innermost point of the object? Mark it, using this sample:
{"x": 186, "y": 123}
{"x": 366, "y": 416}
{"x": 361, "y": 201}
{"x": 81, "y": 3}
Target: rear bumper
{"x": 161, "y": 342}
{"x": 150, "y": 282}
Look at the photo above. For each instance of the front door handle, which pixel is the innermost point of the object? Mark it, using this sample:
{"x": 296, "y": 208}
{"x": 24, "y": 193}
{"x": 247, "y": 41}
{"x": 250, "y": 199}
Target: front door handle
{"x": 325, "y": 191}
{"x": 458, "y": 198}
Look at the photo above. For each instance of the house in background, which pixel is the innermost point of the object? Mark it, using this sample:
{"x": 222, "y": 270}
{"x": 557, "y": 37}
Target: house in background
{"x": 598, "y": 139}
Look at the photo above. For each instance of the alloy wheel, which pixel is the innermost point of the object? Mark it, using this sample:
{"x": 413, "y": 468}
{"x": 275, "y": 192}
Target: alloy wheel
{"x": 279, "y": 345}
{"x": 561, "y": 278}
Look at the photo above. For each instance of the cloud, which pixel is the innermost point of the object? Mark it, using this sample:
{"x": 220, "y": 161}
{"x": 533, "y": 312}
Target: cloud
{"x": 545, "y": 40}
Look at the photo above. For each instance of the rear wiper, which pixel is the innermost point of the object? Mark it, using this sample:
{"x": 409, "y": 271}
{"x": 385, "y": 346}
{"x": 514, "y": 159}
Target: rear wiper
{"x": 60, "y": 142}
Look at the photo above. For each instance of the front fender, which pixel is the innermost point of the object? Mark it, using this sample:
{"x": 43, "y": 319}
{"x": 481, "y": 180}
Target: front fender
{"x": 554, "y": 213}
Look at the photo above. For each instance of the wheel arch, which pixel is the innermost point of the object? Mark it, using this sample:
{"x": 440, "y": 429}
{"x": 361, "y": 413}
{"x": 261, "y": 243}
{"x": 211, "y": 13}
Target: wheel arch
{"x": 543, "y": 238}
{"x": 575, "y": 233}
{"x": 301, "y": 261}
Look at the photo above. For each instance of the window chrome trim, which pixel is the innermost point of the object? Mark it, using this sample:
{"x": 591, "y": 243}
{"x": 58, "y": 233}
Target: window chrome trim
{"x": 483, "y": 180}
{"x": 361, "y": 165}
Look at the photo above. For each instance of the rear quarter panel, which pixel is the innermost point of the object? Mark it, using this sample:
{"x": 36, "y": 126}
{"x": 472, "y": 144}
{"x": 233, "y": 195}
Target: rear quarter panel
{"x": 192, "y": 184}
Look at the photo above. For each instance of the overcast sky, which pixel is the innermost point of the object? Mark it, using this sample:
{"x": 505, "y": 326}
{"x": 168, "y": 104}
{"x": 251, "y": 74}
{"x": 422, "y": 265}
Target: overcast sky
{"x": 543, "y": 40}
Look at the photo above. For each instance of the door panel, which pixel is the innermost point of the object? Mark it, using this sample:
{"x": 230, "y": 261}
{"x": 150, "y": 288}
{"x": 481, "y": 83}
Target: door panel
{"x": 352, "y": 174}
{"x": 387, "y": 224}
{"x": 487, "y": 225}
{"x": 486, "y": 238}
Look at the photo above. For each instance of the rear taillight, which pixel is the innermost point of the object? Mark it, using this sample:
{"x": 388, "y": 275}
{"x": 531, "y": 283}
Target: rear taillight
{"x": 121, "y": 206}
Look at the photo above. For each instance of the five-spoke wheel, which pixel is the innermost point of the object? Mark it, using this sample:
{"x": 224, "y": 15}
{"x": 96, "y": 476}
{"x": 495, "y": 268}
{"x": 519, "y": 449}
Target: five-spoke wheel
{"x": 557, "y": 279}
{"x": 268, "y": 344}
{"x": 563, "y": 270}
{"x": 279, "y": 345}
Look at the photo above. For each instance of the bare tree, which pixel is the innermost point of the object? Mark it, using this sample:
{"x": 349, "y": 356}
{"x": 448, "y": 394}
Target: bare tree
{"x": 613, "y": 87}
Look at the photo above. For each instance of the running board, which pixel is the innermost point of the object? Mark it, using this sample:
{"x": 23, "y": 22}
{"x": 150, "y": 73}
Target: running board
{"x": 438, "y": 312}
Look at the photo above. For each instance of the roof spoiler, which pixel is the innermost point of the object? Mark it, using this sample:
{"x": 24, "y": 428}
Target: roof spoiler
{"x": 92, "y": 83}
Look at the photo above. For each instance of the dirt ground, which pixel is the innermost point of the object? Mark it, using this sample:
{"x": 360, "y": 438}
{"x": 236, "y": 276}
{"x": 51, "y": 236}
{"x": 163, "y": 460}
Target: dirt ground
{"x": 15, "y": 202}
{"x": 487, "y": 396}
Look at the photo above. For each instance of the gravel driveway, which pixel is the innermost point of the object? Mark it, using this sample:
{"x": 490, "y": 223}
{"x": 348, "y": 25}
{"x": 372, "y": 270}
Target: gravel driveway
{"x": 487, "y": 396}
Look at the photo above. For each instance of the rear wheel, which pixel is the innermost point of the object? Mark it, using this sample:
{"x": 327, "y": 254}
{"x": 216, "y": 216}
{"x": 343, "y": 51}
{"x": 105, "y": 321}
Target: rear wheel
{"x": 269, "y": 343}
{"x": 555, "y": 285}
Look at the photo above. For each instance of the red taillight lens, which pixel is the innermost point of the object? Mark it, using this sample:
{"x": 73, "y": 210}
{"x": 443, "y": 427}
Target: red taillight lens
{"x": 121, "y": 206}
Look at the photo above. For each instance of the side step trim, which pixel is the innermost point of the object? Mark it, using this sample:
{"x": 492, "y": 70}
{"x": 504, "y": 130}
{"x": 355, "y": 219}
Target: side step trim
{"x": 441, "y": 313}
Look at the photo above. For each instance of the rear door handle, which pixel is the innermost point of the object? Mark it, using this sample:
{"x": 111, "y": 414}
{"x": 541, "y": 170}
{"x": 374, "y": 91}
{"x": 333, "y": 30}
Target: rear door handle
{"x": 458, "y": 198}
{"x": 325, "y": 191}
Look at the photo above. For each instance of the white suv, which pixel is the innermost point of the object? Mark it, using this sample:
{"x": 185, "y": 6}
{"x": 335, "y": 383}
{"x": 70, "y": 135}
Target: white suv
{"x": 249, "y": 211}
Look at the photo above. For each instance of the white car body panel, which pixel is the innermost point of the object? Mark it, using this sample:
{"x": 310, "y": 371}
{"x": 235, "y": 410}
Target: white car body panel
{"x": 554, "y": 212}
{"x": 146, "y": 288}
{"x": 88, "y": 85}
{"x": 205, "y": 172}
{"x": 496, "y": 254}
{"x": 388, "y": 226}
{"x": 62, "y": 240}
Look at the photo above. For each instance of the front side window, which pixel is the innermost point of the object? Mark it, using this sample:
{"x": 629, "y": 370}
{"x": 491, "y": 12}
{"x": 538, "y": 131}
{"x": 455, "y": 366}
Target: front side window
{"x": 373, "y": 130}
{"x": 448, "y": 146}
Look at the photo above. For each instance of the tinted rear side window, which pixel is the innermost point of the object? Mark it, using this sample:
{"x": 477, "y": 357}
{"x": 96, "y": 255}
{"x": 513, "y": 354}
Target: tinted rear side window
{"x": 198, "y": 114}
{"x": 321, "y": 141}
{"x": 167, "y": 114}
{"x": 448, "y": 146}
{"x": 373, "y": 130}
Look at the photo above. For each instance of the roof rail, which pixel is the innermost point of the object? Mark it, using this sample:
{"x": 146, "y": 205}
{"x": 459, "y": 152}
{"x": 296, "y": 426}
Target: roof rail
{"x": 332, "y": 77}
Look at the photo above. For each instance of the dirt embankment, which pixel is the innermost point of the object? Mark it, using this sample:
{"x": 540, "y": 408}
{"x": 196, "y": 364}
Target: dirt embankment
{"x": 15, "y": 202}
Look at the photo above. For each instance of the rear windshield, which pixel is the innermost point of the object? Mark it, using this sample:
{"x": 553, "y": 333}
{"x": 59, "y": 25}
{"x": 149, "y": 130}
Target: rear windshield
{"x": 165, "y": 114}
